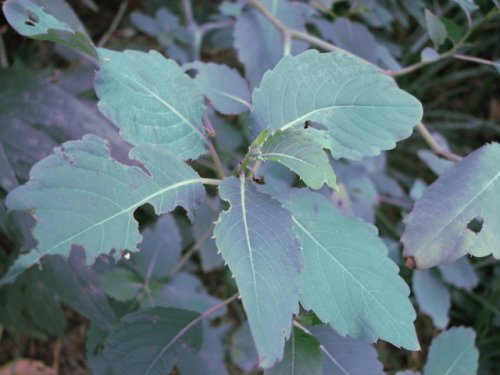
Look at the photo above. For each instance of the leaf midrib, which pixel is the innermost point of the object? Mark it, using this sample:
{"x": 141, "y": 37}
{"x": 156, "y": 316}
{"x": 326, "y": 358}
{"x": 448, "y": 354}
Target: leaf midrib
{"x": 123, "y": 211}
{"x": 309, "y": 234}
{"x": 459, "y": 212}
{"x": 333, "y": 107}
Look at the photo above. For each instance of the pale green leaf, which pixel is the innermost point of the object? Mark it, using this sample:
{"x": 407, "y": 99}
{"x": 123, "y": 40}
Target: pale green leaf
{"x": 346, "y": 356}
{"x": 458, "y": 213}
{"x": 51, "y": 20}
{"x": 360, "y": 110}
{"x": 436, "y": 28}
{"x": 210, "y": 358}
{"x": 467, "y": 5}
{"x": 81, "y": 196}
{"x": 256, "y": 240}
{"x": 299, "y": 151}
{"x": 453, "y": 353}
{"x": 223, "y": 86}
{"x": 259, "y": 43}
{"x": 77, "y": 285}
{"x": 243, "y": 352}
{"x": 460, "y": 274}
{"x": 149, "y": 341}
{"x": 302, "y": 356}
{"x": 121, "y": 284}
{"x": 432, "y": 295}
{"x": 152, "y": 101}
{"x": 349, "y": 281}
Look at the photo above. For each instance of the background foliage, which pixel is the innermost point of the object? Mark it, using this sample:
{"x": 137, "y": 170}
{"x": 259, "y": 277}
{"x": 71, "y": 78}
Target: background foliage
{"x": 80, "y": 316}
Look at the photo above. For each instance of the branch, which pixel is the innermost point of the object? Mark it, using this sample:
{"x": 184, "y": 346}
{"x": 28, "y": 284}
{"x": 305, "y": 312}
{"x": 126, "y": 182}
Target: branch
{"x": 116, "y": 21}
{"x": 205, "y": 314}
{"x": 434, "y": 145}
{"x": 474, "y": 59}
{"x": 205, "y": 236}
{"x": 210, "y": 181}
{"x": 288, "y": 32}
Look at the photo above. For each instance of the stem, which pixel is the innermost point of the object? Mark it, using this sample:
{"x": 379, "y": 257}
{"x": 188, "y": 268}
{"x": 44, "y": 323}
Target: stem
{"x": 116, "y": 21}
{"x": 285, "y": 31}
{"x": 288, "y": 33}
{"x": 451, "y": 52}
{"x": 4, "y": 61}
{"x": 188, "y": 13}
{"x": 205, "y": 236}
{"x": 203, "y": 316}
{"x": 438, "y": 150}
{"x": 321, "y": 347}
{"x": 219, "y": 168}
{"x": 473, "y": 59}
{"x": 210, "y": 181}
{"x": 210, "y": 26}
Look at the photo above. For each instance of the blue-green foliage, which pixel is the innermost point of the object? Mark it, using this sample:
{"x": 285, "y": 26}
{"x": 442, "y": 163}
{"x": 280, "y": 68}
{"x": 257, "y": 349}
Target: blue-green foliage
{"x": 286, "y": 248}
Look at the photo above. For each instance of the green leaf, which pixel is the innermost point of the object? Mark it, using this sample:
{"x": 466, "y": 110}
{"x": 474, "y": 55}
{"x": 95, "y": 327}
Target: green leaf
{"x": 259, "y": 43}
{"x": 457, "y": 214}
{"x": 54, "y": 21}
{"x": 160, "y": 249}
{"x": 435, "y": 28}
{"x": 302, "y": 356}
{"x": 453, "y": 31}
{"x": 77, "y": 286}
{"x": 210, "y": 358}
{"x": 8, "y": 180}
{"x": 433, "y": 297}
{"x": 453, "y": 352}
{"x": 121, "y": 284}
{"x": 360, "y": 110}
{"x": 460, "y": 274}
{"x": 301, "y": 152}
{"x": 256, "y": 240}
{"x": 467, "y": 5}
{"x": 185, "y": 291}
{"x": 81, "y": 196}
{"x": 223, "y": 86}
{"x": 149, "y": 341}
{"x": 243, "y": 352}
{"x": 349, "y": 281}
{"x": 152, "y": 101}
{"x": 344, "y": 355}
{"x": 37, "y": 116}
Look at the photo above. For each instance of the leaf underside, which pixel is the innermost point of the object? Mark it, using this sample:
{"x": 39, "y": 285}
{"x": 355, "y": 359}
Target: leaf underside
{"x": 457, "y": 214}
{"x": 152, "y": 101}
{"x": 360, "y": 110}
{"x": 256, "y": 240}
{"x": 349, "y": 281}
{"x": 81, "y": 196}
{"x": 149, "y": 341}
{"x": 299, "y": 151}
{"x": 58, "y": 24}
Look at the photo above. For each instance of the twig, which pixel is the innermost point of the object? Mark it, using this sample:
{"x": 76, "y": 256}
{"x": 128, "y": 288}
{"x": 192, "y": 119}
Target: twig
{"x": 210, "y": 181}
{"x": 395, "y": 202}
{"x": 287, "y": 32}
{"x": 188, "y": 13}
{"x": 210, "y": 26}
{"x": 203, "y": 316}
{"x": 205, "y": 236}
{"x": 219, "y": 168}
{"x": 4, "y": 61}
{"x": 116, "y": 21}
{"x": 473, "y": 59}
{"x": 434, "y": 145}
{"x": 321, "y": 347}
